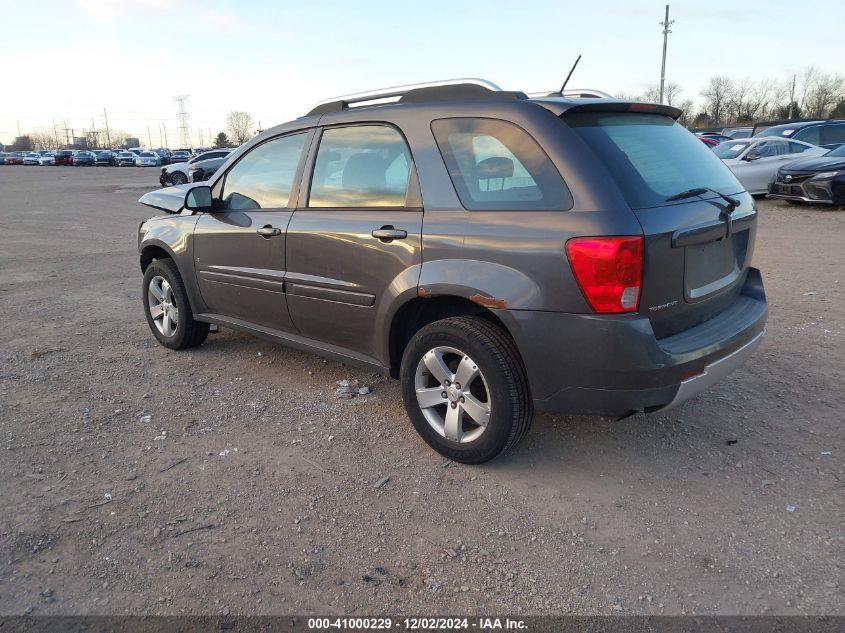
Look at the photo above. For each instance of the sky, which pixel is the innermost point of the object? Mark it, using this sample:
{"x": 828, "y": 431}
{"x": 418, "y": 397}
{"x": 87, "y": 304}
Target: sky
{"x": 69, "y": 60}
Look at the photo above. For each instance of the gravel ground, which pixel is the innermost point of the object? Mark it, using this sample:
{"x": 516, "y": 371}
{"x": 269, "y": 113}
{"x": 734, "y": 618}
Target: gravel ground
{"x": 232, "y": 479}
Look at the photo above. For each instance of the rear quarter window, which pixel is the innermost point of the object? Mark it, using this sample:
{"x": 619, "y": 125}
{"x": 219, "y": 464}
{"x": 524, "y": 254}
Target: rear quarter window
{"x": 496, "y": 165}
{"x": 651, "y": 157}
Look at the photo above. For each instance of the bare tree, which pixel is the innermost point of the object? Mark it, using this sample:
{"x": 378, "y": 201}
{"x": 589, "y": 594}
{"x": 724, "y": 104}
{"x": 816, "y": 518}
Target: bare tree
{"x": 240, "y": 126}
{"x": 824, "y": 93}
{"x": 672, "y": 93}
{"x": 42, "y": 139}
{"x": 688, "y": 114}
{"x": 717, "y": 95}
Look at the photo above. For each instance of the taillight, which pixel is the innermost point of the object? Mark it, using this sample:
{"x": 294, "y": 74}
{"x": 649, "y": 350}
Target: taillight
{"x": 609, "y": 271}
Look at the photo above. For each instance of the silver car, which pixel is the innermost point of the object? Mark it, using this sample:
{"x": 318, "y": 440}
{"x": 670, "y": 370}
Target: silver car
{"x": 756, "y": 161}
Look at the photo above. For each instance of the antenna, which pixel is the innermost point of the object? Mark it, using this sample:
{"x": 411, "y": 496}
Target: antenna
{"x": 566, "y": 81}
{"x": 182, "y": 115}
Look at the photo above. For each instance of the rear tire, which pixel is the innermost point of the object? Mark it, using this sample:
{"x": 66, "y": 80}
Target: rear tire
{"x": 167, "y": 308}
{"x": 484, "y": 417}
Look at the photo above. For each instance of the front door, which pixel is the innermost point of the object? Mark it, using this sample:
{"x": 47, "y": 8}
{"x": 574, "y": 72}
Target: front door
{"x": 239, "y": 249}
{"x": 356, "y": 237}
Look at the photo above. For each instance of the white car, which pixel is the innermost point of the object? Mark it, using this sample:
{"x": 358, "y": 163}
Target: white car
{"x": 31, "y": 158}
{"x": 179, "y": 173}
{"x": 147, "y": 159}
{"x": 48, "y": 158}
{"x": 755, "y": 161}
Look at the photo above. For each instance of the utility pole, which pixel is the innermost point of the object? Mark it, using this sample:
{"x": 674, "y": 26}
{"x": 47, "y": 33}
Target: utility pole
{"x": 791, "y": 98}
{"x": 108, "y": 135}
{"x": 149, "y": 138}
{"x": 56, "y": 134}
{"x": 200, "y": 131}
{"x": 164, "y": 128}
{"x": 666, "y": 30}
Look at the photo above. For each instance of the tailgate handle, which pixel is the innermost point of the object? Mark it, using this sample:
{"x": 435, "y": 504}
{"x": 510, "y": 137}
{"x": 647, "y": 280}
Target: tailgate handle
{"x": 700, "y": 234}
{"x": 710, "y": 231}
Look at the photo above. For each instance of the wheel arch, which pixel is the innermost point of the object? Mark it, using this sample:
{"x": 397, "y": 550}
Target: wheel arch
{"x": 420, "y": 311}
{"x": 153, "y": 251}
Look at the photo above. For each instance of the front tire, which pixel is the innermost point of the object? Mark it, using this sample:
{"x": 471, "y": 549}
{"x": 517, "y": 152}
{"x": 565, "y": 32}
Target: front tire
{"x": 486, "y": 409}
{"x": 167, "y": 308}
{"x": 178, "y": 178}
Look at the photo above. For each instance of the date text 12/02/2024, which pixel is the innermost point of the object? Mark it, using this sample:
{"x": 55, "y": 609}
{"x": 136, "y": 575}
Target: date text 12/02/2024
{"x": 417, "y": 624}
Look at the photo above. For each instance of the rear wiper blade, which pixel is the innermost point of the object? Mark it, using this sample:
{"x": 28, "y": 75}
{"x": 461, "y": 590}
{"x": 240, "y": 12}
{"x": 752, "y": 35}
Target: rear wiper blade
{"x": 698, "y": 191}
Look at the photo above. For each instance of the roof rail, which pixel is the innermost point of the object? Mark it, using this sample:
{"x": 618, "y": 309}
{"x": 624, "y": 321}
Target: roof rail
{"x": 336, "y": 104}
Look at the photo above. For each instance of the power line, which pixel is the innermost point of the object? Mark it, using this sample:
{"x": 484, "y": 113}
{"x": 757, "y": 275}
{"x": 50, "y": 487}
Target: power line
{"x": 666, "y": 30}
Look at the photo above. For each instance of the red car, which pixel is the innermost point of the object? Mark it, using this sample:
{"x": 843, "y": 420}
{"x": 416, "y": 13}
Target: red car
{"x": 709, "y": 142}
{"x": 14, "y": 158}
{"x": 65, "y": 157}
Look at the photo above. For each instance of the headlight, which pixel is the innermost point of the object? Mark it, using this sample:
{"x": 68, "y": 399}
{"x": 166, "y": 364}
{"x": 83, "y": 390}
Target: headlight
{"x": 830, "y": 174}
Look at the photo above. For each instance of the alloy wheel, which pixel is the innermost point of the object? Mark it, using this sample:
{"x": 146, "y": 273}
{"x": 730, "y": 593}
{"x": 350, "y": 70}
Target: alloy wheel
{"x": 162, "y": 304}
{"x": 452, "y": 394}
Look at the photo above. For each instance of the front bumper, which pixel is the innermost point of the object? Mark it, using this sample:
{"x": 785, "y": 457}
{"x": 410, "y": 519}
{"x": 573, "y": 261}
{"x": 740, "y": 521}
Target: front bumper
{"x": 613, "y": 365}
{"x": 812, "y": 190}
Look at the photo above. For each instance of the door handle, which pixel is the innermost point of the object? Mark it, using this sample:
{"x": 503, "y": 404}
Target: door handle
{"x": 388, "y": 233}
{"x": 269, "y": 231}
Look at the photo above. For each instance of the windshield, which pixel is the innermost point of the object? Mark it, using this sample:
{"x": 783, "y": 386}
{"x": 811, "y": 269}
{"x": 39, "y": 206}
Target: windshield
{"x": 730, "y": 149}
{"x": 146, "y": 154}
{"x": 651, "y": 157}
{"x": 839, "y": 151}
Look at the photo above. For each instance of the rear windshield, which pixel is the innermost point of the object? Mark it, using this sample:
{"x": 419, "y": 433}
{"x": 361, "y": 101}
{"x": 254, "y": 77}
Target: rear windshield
{"x": 651, "y": 157}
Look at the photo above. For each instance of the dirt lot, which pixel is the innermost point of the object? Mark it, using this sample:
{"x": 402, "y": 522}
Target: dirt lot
{"x": 231, "y": 479}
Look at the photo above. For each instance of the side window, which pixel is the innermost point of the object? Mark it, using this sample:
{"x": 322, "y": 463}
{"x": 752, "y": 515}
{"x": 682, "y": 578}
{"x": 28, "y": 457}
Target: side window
{"x": 833, "y": 134}
{"x": 495, "y": 165}
{"x": 263, "y": 178}
{"x": 797, "y": 148}
{"x": 810, "y": 135}
{"x": 360, "y": 166}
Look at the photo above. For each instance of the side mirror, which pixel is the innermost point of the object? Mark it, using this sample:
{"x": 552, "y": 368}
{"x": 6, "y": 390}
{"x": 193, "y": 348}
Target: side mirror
{"x": 199, "y": 199}
{"x": 751, "y": 156}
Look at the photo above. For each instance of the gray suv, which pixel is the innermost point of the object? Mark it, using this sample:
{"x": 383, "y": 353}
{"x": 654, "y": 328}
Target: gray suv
{"x": 498, "y": 254}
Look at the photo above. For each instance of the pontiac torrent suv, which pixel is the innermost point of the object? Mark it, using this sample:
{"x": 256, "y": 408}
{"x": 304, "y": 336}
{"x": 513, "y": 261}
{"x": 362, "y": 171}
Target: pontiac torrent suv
{"x": 496, "y": 253}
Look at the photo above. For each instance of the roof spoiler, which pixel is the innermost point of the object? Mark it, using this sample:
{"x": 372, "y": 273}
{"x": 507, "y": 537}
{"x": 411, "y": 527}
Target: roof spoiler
{"x": 561, "y": 107}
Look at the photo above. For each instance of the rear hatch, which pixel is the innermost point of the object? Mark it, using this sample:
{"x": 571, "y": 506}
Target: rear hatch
{"x": 697, "y": 249}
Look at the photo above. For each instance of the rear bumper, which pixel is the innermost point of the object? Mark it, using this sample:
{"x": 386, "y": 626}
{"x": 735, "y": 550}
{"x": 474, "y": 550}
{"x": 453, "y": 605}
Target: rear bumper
{"x": 612, "y": 365}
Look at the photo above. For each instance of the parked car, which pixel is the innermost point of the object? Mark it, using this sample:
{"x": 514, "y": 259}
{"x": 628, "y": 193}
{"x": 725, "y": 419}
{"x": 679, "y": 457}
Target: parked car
{"x": 715, "y": 136}
{"x": 104, "y": 157}
{"x": 147, "y": 159}
{"x": 820, "y": 179}
{"x": 709, "y": 142}
{"x": 180, "y": 156}
{"x": 738, "y": 132}
{"x": 84, "y": 159}
{"x": 755, "y": 161}
{"x": 625, "y": 287}
{"x": 3, "y": 157}
{"x": 179, "y": 173}
{"x": 135, "y": 150}
{"x": 47, "y": 158}
{"x": 201, "y": 170}
{"x": 164, "y": 154}
{"x": 64, "y": 157}
{"x": 829, "y": 134}
{"x": 31, "y": 158}
{"x": 124, "y": 158}
{"x": 13, "y": 158}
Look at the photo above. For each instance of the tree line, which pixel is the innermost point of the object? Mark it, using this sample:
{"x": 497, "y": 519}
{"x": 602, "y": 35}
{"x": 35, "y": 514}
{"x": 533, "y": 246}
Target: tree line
{"x": 811, "y": 94}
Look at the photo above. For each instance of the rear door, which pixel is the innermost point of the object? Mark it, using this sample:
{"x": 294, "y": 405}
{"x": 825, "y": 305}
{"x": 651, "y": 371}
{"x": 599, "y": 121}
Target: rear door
{"x": 355, "y": 235}
{"x": 240, "y": 247}
{"x": 696, "y": 257}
